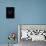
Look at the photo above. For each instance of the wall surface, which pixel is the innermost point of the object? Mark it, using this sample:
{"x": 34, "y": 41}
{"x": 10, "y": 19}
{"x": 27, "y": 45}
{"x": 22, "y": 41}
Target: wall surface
{"x": 6, "y": 25}
{"x": 31, "y": 11}
{"x": 27, "y": 12}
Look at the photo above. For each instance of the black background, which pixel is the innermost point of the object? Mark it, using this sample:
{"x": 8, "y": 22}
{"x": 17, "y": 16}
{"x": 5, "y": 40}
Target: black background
{"x": 9, "y": 9}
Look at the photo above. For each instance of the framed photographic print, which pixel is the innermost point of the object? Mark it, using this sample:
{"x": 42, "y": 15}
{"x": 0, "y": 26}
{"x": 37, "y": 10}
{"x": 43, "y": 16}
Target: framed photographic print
{"x": 10, "y": 12}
